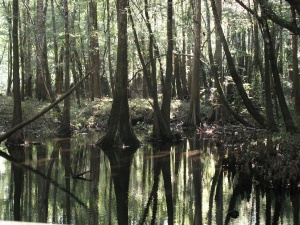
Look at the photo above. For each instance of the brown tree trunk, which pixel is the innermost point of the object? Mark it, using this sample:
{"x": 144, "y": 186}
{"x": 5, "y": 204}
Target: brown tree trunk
{"x": 110, "y": 66}
{"x": 271, "y": 124}
{"x": 193, "y": 118}
{"x": 55, "y": 49}
{"x": 120, "y": 132}
{"x": 65, "y": 129}
{"x": 94, "y": 54}
{"x": 40, "y": 89}
{"x": 167, "y": 88}
{"x": 10, "y": 50}
{"x": 18, "y": 137}
{"x": 179, "y": 90}
{"x": 27, "y": 54}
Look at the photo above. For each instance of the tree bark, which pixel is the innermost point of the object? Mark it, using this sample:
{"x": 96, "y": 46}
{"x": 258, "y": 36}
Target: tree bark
{"x": 193, "y": 118}
{"x": 40, "y": 89}
{"x": 55, "y": 49}
{"x": 65, "y": 129}
{"x": 94, "y": 54}
{"x": 166, "y": 102}
{"x": 271, "y": 124}
{"x": 120, "y": 133}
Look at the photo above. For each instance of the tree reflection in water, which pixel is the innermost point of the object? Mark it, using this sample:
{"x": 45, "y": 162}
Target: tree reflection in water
{"x": 194, "y": 182}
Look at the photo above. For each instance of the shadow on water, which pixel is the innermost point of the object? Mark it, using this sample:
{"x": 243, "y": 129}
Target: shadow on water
{"x": 198, "y": 181}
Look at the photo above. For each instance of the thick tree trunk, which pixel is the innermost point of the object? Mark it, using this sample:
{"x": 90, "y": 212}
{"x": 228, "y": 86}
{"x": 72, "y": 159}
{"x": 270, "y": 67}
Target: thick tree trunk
{"x": 40, "y": 88}
{"x": 120, "y": 133}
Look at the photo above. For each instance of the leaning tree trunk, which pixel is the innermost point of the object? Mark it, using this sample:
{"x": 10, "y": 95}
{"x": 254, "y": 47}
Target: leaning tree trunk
{"x": 216, "y": 74}
{"x": 193, "y": 118}
{"x": 18, "y": 136}
{"x": 288, "y": 120}
{"x": 235, "y": 76}
{"x": 120, "y": 132}
{"x": 160, "y": 130}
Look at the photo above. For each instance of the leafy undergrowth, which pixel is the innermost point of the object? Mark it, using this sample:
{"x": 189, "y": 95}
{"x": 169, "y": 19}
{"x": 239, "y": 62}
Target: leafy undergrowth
{"x": 89, "y": 115}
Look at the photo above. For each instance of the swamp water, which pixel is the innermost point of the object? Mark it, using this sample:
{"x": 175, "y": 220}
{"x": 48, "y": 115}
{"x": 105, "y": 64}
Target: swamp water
{"x": 71, "y": 181}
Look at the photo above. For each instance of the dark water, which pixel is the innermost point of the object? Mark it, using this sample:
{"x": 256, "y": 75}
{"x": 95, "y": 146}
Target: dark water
{"x": 71, "y": 181}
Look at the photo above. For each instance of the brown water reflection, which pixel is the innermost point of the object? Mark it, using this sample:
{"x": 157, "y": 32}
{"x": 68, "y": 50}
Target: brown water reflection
{"x": 71, "y": 181}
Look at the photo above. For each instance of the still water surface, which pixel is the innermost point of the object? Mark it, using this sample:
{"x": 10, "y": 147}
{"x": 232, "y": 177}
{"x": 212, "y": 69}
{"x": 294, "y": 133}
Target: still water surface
{"x": 71, "y": 181}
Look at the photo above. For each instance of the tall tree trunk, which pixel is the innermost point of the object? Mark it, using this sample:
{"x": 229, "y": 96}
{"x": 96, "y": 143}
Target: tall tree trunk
{"x": 22, "y": 38}
{"x": 193, "y": 118}
{"x": 271, "y": 124}
{"x": 120, "y": 132}
{"x": 27, "y": 53}
{"x": 167, "y": 88}
{"x": 94, "y": 54}
{"x": 40, "y": 89}
{"x": 10, "y": 51}
{"x": 64, "y": 129}
{"x": 110, "y": 67}
{"x": 58, "y": 88}
{"x": 18, "y": 136}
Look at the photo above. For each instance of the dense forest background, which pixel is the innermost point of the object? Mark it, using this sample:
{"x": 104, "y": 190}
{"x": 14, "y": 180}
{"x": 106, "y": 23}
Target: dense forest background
{"x": 237, "y": 57}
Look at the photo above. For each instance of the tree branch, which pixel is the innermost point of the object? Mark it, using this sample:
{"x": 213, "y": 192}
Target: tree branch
{"x": 45, "y": 110}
